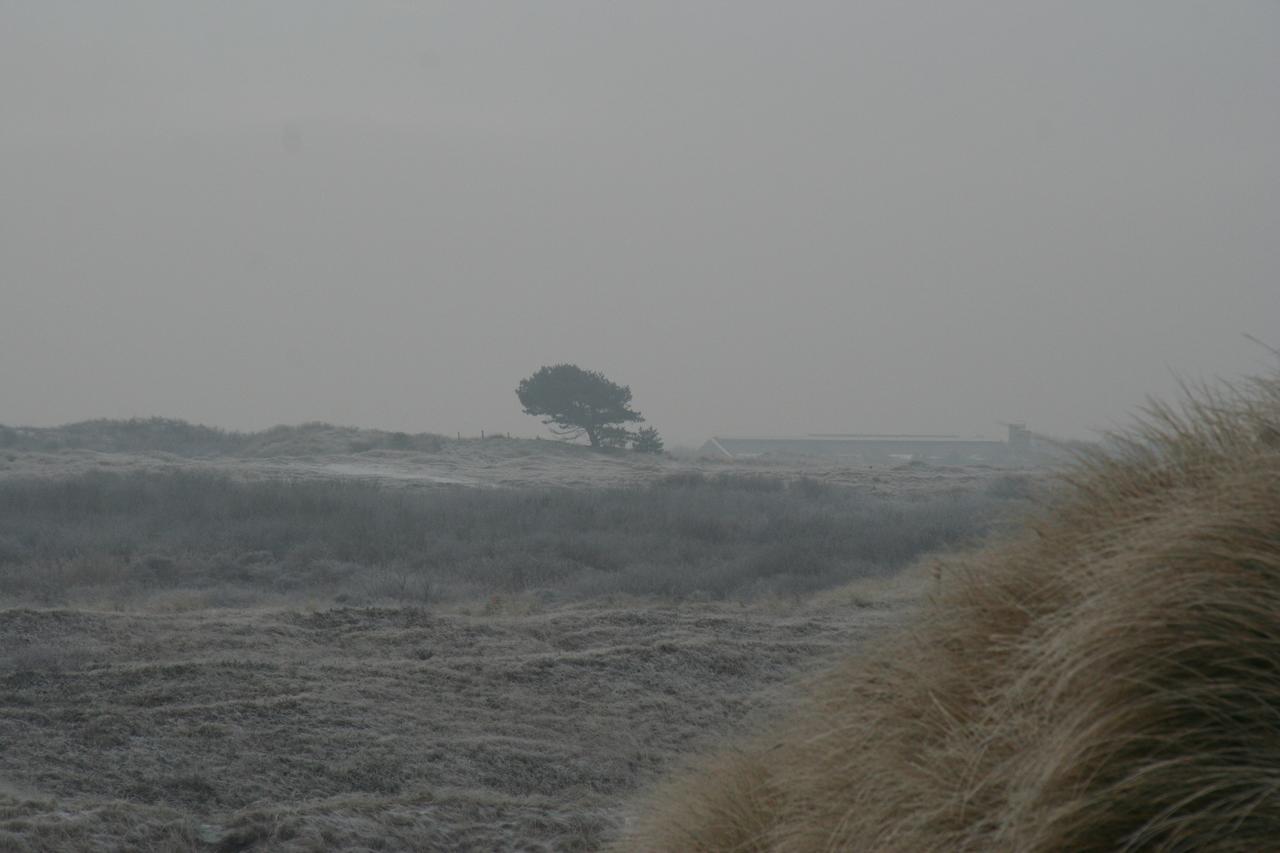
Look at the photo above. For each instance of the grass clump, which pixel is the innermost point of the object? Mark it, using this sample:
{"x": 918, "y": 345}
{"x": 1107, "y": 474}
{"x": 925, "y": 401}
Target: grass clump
{"x": 1107, "y": 680}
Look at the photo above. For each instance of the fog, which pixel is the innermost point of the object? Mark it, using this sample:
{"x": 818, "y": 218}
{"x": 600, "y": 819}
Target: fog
{"x": 763, "y": 217}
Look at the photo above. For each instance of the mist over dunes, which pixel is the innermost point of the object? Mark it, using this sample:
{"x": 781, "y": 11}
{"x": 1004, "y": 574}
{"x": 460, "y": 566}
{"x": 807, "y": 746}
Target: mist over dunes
{"x": 500, "y": 426}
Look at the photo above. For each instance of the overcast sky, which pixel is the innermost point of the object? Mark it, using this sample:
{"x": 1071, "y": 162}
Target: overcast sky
{"x": 766, "y": 218}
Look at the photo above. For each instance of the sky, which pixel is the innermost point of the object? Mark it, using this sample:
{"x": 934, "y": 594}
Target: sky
{"x": 765, "y": 218}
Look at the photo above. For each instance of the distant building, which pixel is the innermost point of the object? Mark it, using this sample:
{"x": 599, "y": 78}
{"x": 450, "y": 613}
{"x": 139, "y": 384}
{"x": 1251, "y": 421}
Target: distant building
{"x": 879, "y": 448}
{"x": 1019, "y": 438}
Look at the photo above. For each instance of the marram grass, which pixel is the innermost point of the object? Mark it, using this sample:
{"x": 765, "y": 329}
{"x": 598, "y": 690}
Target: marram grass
{"x": 1109, "y": 679}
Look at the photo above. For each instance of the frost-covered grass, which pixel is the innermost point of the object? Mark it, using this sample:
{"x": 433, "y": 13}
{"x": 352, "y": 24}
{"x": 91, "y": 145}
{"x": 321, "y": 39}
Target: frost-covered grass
{"x": 227, "y": 658}
{"x": 396, "y": 728}
{"x": 192, "y": 539}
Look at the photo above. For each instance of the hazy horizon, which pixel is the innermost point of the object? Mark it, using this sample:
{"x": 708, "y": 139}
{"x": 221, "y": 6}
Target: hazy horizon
{"x": 764, "y": 218}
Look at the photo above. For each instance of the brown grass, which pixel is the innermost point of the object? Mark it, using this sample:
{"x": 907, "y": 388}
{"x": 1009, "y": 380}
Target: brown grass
{"x": 1109, "y": 679}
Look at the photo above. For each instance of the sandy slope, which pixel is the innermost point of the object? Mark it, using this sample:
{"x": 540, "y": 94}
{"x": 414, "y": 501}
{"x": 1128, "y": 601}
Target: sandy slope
{"x": 373, "y": 728}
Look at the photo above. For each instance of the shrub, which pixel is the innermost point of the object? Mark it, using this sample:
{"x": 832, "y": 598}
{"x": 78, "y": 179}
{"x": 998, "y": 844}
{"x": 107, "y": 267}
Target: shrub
{"x": 647, "y": 440}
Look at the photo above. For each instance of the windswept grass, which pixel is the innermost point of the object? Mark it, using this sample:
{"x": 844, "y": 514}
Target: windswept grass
{"x": 1109, "y": 680}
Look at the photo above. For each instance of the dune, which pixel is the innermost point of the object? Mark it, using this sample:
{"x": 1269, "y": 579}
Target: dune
{"x": 1106, "y": 679}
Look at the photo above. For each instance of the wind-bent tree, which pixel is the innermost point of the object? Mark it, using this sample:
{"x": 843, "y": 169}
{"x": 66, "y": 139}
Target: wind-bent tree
{"x": 573, "y": 402}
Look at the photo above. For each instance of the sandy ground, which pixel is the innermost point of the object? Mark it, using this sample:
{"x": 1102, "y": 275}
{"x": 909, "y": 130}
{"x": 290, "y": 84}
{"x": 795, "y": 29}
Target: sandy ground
{"x": 378, "y": 729}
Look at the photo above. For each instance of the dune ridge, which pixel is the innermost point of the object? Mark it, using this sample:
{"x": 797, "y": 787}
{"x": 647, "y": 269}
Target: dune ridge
{"x": 1109, "y": 678}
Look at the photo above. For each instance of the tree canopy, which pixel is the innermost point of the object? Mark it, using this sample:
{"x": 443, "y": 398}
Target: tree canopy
{"x": 575, "y": 402}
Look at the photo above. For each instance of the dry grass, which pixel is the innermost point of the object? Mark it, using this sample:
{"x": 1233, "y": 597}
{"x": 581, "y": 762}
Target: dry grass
{"x": 1110, "y": 679}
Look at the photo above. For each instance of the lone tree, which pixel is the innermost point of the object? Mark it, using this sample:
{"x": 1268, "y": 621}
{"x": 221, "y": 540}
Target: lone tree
{"x": 575, "y": 402}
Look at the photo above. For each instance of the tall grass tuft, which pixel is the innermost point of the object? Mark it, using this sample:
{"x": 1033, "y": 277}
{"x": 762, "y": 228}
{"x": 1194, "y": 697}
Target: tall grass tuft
{"x": 1107, "y": 680}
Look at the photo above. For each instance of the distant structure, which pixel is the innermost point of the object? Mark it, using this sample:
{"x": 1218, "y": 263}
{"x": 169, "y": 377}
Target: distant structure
{"x": 1019, "y": 438}
{"x": 862, "y": 447}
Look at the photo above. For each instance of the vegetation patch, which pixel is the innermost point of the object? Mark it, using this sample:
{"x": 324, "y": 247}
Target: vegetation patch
{"x": 1108, "y": 680}
{"x": 190, "y": 539}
